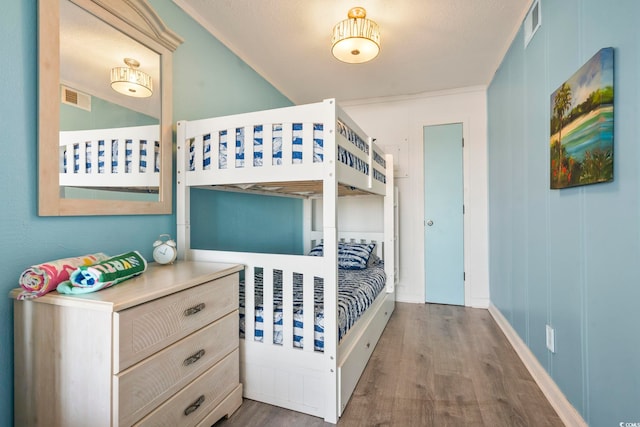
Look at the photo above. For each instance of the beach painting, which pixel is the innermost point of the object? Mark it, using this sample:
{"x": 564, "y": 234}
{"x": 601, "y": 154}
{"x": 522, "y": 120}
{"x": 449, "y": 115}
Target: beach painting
{"x": 581, "y": 140}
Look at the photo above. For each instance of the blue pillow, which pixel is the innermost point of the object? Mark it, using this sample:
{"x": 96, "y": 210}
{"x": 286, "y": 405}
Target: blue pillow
{"x": 316, "y": 250}
{"x": 374, "y": 260}
{"x": 351, "y": 256}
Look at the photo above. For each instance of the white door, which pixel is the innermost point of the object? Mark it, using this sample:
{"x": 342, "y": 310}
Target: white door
{"x": 443, "y": 207}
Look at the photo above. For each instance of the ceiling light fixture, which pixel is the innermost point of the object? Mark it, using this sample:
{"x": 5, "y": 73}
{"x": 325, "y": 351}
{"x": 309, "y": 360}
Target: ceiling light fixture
{"x": 131, "y": 81}
{"x": 356, "y": 39}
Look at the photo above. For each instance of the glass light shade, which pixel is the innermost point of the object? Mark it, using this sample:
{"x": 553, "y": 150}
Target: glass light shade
{"x": 130, "y": 81}
{"x": 357, "y": 39}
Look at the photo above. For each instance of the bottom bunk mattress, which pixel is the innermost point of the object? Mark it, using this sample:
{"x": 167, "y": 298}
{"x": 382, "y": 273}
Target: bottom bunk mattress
{"x": 357, "y": 289}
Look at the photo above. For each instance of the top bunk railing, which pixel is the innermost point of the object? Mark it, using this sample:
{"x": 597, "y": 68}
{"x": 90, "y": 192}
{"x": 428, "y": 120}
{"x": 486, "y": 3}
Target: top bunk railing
{"x": 114, "y": 157}
{"x": 302, "y": 143}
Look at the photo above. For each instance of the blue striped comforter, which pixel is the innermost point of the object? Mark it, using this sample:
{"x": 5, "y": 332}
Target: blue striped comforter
{"x": 357, "y": 289}
{"x": 232, "y": 148}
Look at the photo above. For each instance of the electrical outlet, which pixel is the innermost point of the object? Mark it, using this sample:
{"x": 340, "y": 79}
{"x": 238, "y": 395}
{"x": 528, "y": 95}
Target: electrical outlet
{"x": 551, "y": 339}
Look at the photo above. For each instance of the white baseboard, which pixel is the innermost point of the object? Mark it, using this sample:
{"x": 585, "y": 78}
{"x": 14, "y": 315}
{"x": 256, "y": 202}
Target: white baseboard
{"x": 554, "y": 395}
{"x": 477, "y": 303}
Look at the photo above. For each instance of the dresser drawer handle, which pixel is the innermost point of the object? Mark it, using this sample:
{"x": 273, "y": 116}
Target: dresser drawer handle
{"x": 194, "y": 406}
{"x": 195, "y": 309}
{"x": 193, "y": 359}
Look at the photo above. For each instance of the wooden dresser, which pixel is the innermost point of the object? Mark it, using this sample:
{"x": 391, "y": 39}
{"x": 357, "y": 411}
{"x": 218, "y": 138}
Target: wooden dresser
{"x": 160, "y": 349}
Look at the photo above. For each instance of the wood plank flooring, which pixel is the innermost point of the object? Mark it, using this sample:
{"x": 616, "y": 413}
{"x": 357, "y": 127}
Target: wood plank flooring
{"x": 435, "y": 365}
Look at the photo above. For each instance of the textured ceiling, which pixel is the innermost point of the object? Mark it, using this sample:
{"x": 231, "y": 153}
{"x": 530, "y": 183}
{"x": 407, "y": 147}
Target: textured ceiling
{"x": 427, "y": 45}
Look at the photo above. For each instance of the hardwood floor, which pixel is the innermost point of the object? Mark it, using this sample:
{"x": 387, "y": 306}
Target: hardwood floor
{"x": 435, "y": 365}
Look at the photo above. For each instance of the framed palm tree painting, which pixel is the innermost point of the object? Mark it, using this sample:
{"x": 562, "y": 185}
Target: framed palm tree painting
{"x": 581, "y": 136}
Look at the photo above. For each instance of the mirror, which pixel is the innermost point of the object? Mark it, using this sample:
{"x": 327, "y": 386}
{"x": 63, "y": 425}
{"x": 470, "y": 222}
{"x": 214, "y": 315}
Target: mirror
{"x": 105, "y": 144}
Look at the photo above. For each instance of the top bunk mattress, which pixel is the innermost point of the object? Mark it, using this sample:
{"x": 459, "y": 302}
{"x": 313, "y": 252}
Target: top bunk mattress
{"x": 236, "y": 152}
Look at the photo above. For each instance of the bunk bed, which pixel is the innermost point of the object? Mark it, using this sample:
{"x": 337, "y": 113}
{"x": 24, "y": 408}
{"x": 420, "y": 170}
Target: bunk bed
{"x": 122, "y": 159}
{"x": 314, "y": 152}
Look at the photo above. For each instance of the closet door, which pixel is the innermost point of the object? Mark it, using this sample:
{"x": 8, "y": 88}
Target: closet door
{"x": 443, "y": 207}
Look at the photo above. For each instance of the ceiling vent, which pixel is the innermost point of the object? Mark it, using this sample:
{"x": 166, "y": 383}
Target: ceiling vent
{"x": 532, "y": 22}
{"x": 75, "y": 98}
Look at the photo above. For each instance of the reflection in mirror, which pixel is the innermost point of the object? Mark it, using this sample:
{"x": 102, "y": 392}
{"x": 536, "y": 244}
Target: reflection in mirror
{"x": 109, "y": 141}
{"x": 105, "y": 98}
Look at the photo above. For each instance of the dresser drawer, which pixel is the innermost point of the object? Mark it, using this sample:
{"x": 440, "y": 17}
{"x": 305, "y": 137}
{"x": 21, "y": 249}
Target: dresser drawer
{"x": 189, "y": 406}
{"x": 147, "y": 328}
{"x": 225, "y": 409}
{"x": 142, "y": 387}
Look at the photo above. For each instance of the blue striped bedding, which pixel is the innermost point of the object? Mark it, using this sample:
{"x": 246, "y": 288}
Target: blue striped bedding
{"x": 357, "y": 290}
{"x": 258, "y": 140}
{"x": 149, "y": 156}
{"x": 237, "y": 153}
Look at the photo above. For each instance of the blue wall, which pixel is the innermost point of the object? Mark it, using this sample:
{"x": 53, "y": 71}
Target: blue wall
{"x": 221, "y": 220}
{"x": 208, "y": 80}
{"x": 103, "y": 115}
{"x": 569, "y": 257}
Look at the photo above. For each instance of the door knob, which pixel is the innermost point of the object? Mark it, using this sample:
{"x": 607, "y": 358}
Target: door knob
{"x": 429, "y": 223}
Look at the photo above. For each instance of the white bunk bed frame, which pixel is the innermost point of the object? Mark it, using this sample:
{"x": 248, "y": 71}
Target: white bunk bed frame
{"x": 84, "y": 171}
{"x": 301, "y": 379}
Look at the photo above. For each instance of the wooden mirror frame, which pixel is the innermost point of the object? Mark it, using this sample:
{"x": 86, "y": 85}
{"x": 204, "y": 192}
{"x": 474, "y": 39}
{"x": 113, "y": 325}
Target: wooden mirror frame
{"x": 138, "y": 20}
